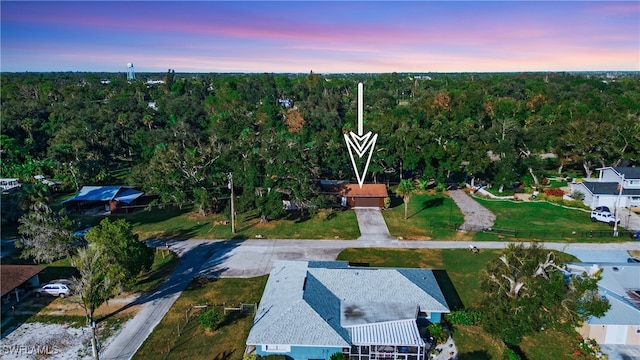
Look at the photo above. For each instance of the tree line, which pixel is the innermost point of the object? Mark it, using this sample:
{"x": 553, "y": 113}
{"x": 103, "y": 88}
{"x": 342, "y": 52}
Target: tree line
{"x": 181, "y": 138}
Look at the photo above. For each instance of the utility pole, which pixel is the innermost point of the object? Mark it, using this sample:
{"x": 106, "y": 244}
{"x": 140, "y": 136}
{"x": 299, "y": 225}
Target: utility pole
{"x": 233, "y": 225}
{"x": 615, "y": 210}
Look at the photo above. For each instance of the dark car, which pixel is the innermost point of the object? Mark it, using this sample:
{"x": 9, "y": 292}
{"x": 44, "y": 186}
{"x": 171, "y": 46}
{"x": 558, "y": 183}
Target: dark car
{"x": 602, "y": 209}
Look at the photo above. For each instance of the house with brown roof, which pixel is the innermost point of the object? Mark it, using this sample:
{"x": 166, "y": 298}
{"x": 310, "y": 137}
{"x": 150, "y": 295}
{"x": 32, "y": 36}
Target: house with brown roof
{"x": 15, "y": 279}
{"x": 369, "y": 195}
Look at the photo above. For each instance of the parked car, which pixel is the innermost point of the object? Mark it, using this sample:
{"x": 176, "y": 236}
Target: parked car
{"x": 602, "y": 209}
{"x": 605, "y": 217}
{"x": 53, "y": 289}
{"x": 66, "y": 282}
{"x": 633, "y": 260}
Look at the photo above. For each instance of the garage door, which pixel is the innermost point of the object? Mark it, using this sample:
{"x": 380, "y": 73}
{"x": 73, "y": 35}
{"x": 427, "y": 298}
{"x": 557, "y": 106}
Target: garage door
{"x": 367, "y": 202}
{"x": 616, "y": 334}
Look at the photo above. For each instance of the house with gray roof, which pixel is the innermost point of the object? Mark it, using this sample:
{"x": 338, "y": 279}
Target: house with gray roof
{"x": 620, "y": 285}
{"x": 313, "y": 309}
{"x": 615, "y": 187}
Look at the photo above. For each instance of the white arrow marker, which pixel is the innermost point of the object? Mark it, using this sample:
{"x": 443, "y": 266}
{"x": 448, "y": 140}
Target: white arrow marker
{"x": 361, "y": 142}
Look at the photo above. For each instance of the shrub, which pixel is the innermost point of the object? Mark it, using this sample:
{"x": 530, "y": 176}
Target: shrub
{"x": 577, "y": 195}
{"x": 464, "y": 317}
{"x": 250, "y": 357}
{"x": 437, "y": 332}
{"x": 209, "y": 319}
{"x": 554, "y": 192}
{"x": 509, "y": 354}
{"x": 337, "y": 356}
{"x": 387, "y": 202}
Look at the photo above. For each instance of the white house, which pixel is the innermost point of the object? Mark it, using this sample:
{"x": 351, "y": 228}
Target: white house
{"x": 620, "y": 284}
{"x": 615, "y": 187}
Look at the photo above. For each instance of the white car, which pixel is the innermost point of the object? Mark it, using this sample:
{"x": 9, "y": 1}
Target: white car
{"x": 53, "y": 289}
{"x": 605, "y": 217}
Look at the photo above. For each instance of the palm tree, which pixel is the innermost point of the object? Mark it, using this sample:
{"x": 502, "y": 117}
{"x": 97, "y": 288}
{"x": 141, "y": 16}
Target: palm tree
{"x": 405, "y": 190}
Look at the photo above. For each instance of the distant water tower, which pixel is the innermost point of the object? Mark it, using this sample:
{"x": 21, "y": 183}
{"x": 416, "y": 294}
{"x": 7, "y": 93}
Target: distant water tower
{"x": 131, "y": 75}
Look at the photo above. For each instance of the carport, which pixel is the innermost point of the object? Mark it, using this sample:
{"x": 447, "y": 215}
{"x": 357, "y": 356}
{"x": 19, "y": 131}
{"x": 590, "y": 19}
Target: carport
{"x": 18, "y": 278}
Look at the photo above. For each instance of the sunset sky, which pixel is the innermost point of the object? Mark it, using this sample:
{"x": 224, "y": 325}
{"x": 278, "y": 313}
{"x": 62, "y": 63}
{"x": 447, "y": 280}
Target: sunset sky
{"x": 320, "y": 36}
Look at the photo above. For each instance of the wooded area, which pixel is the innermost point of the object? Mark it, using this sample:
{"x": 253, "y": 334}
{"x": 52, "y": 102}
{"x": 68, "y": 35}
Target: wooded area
{"x": 181, "y": 138}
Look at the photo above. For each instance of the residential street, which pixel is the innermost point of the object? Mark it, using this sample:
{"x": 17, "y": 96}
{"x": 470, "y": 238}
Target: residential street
{"x": 250, "y": 258}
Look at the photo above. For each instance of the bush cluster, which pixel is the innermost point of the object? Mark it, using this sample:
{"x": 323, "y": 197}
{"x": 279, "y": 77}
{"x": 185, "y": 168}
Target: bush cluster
{"x": 209, "y": 319}
{"x": 464, "y": 317}
{"x": 554, "y": 192}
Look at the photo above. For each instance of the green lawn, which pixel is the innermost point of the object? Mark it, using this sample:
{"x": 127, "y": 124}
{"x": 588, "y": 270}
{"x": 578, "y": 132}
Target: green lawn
{"x": 193, "y": 341}
{"x": 429, "y": 217}
{"x": 544, "y": 221}
{"x": 173, "y": 222}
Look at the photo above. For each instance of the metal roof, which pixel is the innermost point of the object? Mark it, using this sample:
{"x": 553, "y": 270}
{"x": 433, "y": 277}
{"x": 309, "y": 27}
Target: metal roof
{"x": 331, "y": 304}
{"x": 124, "y": 194}
{"x": 403, "y": 332}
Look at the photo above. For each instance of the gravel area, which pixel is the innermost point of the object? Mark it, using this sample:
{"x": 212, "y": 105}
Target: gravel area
{"x": 46, "y": 341}
{"x": 476, "y": 217}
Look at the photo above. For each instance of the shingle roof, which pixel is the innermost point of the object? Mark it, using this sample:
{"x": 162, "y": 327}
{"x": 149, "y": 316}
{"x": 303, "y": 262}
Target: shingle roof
{"x": 332, "y": 304}
{"x": 629, "y": 172}
{"x": 608, "y": 188}
{"x": 12, "y": 276}
{"x": 367, "y": 190}
{"x": 341, "y": 188}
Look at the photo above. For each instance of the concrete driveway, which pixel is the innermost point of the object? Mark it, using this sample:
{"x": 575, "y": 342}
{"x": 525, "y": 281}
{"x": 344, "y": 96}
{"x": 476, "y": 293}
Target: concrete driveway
{"x": 372, "y": 225}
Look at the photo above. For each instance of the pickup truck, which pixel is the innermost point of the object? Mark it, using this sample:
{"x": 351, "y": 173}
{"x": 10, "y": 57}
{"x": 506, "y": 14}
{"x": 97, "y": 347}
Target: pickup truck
{"x": 605, "y": 217}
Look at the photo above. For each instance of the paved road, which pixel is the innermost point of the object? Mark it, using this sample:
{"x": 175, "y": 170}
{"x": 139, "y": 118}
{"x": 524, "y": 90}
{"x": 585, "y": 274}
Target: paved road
{"x": 125, "y": 344}
{"x": 251, "y": 258}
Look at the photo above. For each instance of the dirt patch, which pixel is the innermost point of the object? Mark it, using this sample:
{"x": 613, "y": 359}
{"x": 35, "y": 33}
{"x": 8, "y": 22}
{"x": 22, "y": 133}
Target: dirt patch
{"x": 71, "y": 306}
{"x": 46, "y": 341}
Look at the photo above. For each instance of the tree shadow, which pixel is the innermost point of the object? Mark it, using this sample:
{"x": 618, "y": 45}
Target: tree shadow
{"x": 231, "y": 317}
{"x": 431, "y": 203}
{"x": 395, "y": 202}
{"x": 475, "y": 355}
{"x": 190, "y": 266}
{"x": 448, "y": 290}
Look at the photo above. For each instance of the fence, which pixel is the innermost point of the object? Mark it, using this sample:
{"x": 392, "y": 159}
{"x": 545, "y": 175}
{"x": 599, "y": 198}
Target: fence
{"x": 195, "y": 310}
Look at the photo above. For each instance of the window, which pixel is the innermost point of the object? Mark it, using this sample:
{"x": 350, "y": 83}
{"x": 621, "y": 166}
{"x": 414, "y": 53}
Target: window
{"x": 276, "y": 348}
